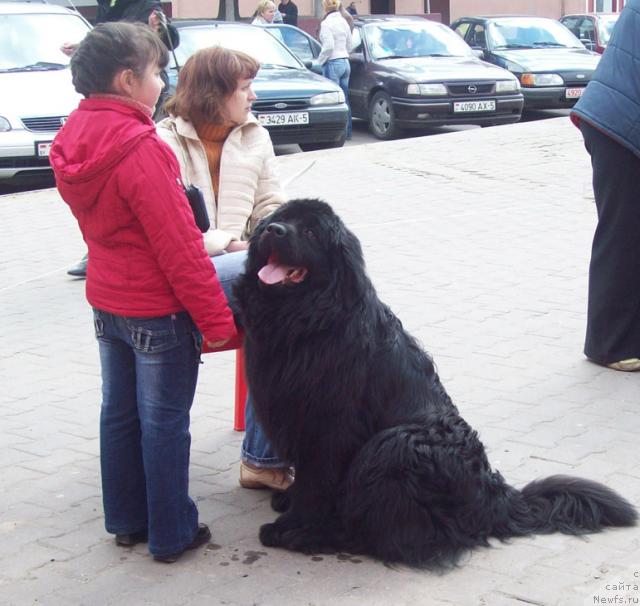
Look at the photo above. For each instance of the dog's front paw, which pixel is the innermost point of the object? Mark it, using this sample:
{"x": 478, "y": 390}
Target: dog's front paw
{"x": 270, "y": 536}
{"x": 280, "y": 501}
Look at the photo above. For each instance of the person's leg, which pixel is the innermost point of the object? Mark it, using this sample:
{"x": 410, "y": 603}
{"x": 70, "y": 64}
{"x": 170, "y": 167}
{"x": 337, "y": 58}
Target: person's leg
{"x": 256, "y": 448}
{"x": 344, "y": 85}
{"x": 123, "y": 481}
{"x": 228, "y": 267}
{"x": 338, "y": 71}
{"x": 257, "y": 452}
{"x": 167, "y": 356}
{"x": 613, "y": 322}
{"x": 260, "y": 466}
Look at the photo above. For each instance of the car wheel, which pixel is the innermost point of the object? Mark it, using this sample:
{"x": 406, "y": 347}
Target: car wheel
{"x": 316, "y": 146}
{"x": 382, "y": 121}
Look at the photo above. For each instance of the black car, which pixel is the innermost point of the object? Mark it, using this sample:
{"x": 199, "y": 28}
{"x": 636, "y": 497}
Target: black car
{"x": 294, "y": 104}
{"x": 409, "y": 72}
{"x": 552, "y": 65}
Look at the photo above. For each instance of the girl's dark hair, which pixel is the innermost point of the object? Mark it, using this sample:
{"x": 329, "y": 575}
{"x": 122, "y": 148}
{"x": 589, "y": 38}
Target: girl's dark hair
{"x": 208, "y": 78}
{"x": 110, "y": 48}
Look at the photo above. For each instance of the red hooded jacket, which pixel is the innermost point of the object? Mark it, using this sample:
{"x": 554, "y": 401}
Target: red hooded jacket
{"x": 122, "y": 183}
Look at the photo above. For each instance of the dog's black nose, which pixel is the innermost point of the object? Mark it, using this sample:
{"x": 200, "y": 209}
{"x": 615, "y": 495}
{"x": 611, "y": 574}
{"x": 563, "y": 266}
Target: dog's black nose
{"x": 277, "y": 229}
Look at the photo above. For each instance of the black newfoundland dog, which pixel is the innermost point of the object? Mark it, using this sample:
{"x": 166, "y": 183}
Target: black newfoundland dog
{"x": 385, "y": 465}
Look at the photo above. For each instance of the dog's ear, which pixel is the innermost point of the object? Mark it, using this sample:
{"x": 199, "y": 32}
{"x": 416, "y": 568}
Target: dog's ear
{"x": 351, "y": 276}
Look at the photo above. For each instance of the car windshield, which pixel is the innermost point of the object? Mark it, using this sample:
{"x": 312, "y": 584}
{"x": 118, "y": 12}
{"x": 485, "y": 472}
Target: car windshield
{"x": 606, "y": 25}
{"x": 413, "y": 39}
{"x": 530, "y": 33}
{"x": 32, "y": 41}
{"x": 252, "y": 40}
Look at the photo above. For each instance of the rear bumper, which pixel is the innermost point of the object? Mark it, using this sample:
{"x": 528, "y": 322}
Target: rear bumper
{"x": 421, "y": 113}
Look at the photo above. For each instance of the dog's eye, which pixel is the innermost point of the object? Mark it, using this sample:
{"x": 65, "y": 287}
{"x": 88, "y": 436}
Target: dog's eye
{"x": 310, "y": 234}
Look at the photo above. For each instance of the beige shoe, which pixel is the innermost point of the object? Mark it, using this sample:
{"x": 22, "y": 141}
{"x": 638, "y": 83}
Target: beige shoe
{"x": 265, "y": 477}
{"x": 629, "y": 365}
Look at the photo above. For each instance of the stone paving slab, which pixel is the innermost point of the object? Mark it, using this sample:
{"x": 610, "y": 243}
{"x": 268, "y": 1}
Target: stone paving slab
{"x": 479, "y": 241}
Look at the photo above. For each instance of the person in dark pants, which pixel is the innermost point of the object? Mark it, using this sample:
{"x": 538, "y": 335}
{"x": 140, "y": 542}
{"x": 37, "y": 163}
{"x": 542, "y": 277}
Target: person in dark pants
{"x": 289, "y": 12}
{"x": 608, "y": 115}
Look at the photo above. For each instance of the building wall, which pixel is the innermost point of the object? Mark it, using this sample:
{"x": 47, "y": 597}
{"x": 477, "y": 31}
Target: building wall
{"x": 542, "y": 8}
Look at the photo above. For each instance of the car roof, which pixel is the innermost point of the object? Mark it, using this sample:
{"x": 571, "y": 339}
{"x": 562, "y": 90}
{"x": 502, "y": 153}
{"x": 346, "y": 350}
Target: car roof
{"x": 378, "y": 18}
{"x": 18, "y": 8}
{"x": 590, "y": 15}
{"x": 197, "y": 22}
{"x": 495, "y": 17}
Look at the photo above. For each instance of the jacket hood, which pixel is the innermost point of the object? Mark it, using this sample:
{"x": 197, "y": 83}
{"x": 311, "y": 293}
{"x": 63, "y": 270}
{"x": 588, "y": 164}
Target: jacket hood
{"x": 95, "y": 138}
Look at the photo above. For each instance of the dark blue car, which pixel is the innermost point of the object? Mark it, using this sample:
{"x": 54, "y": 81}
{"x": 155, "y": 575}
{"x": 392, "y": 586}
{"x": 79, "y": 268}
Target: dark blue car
{"x": 552, "y": 65}
{"x": 294, "y": 104}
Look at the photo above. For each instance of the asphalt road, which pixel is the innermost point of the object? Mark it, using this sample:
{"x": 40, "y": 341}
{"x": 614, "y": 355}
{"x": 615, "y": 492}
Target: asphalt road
{"x": 361, "y": 136}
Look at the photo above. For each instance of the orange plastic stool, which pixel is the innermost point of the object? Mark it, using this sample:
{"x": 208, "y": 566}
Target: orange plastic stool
{"x": 241, "y": 383}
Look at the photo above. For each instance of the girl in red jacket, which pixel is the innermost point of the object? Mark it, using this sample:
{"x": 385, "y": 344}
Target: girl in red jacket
{"x": 150, "y": 282}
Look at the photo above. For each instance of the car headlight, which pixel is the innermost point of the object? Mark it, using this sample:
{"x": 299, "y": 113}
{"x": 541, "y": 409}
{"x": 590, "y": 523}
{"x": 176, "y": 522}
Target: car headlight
{"x": 541, "y": 80}
{"x": 4, "y": 125}
{"x": 327, "y": 98}
{"x": 507, "y": 86}
{"x": 427, "y": 90}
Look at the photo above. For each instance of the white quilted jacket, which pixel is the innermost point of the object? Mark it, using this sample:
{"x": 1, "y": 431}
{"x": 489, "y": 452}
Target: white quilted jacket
{"x": 249, "y": 185}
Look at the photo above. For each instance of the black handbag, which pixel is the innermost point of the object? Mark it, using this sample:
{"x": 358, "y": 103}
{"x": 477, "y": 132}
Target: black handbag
{"x": 198, "y": 207}
{"x": 194, "y": 194}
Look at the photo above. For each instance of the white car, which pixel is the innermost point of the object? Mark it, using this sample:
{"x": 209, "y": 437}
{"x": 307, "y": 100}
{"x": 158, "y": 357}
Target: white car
{"x": 35, "y": 80}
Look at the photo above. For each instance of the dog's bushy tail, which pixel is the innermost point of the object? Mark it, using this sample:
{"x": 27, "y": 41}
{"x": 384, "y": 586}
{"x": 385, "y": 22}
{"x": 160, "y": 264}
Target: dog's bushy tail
{"x": 564, "y": 504}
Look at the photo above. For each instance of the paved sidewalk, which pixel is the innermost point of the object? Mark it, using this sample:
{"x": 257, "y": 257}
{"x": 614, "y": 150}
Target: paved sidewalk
{"x": 479, "y": 240}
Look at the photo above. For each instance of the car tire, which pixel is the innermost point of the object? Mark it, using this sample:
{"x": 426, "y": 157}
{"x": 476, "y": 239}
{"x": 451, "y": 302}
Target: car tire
{"x": 307, "y": 147}
{"x": 382, "y": 120}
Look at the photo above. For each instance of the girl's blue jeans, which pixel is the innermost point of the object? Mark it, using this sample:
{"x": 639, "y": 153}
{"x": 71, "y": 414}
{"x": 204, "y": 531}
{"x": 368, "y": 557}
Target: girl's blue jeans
{"x": 149, "y": 374}
{"x": 256, "y": 449}
{"x": 338, "y": 71}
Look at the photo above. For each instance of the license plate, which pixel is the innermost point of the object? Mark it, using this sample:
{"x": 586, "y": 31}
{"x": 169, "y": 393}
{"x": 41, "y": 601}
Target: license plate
{"x": 284, "y": 119}
{"x": 474, "y": 106}
{"x": 43, "y": 148}
{"x": 574, "y": 93}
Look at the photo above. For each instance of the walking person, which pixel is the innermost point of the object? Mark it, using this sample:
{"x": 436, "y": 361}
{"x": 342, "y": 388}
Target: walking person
{"x": 223, "y": 150}
{"x": 153, "y": 289}
{"x": 335, "y": 37}
{"x": 607, "y": 115}
{"x": 289, "y": 11}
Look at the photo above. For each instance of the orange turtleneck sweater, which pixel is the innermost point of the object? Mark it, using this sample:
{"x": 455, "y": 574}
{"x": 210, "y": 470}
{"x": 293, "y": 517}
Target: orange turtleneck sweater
{"x": 212, "y": 137}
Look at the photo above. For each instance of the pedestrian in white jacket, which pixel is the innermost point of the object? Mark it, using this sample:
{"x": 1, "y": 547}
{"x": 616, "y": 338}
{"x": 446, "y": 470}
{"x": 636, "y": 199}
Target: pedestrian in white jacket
{"x": 223, "y": 151}
{"x": 335, "y": 37}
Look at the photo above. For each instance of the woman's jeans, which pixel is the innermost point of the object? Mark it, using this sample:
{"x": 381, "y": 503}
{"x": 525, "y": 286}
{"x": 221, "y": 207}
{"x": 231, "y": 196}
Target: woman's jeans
{"x": 149, "y": 374}
{"x": 338, "y": 71}
{"x": 255, "y": 446}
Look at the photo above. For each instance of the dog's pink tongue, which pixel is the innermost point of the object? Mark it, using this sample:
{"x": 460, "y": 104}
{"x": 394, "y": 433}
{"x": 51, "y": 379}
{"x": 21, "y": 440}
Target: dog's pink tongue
{"x": 273, "y": 272}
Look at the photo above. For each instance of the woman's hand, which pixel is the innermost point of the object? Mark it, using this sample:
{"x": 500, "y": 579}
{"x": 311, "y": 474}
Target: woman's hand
{"x": 237, "y": 245}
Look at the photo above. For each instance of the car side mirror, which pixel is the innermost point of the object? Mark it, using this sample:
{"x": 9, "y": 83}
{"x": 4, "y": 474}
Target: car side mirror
{"x": 314, "y": 66}
{"x": 478, "y": 52}
{"x": 588, "y": 44}
{"x": 356, "y": 56}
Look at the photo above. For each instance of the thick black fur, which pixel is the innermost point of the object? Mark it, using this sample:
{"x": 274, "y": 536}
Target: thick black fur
{"x": 384, "y": 463}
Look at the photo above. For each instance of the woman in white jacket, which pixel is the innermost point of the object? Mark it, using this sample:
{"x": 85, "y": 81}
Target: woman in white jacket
{"x": 224, "y": 152}
{"x": 335, "y": 37}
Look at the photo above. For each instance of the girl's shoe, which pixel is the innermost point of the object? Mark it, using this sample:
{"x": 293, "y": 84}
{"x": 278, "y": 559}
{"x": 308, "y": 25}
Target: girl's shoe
{"x": 131, "y": 539}
{"x": 265, "y": 477}
{"x": 202, "y": 536}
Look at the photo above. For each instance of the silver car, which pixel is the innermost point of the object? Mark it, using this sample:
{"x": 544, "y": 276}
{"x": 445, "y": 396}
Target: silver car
{"x": 35, "y": 80}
